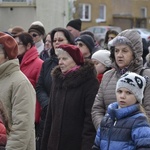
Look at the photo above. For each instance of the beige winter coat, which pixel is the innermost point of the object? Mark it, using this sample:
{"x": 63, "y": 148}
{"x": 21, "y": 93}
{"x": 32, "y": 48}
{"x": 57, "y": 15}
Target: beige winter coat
{"x": 18, "y": 96}
{"x": 106, "y": 92}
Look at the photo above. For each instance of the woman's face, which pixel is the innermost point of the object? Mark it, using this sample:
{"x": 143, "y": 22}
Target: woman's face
{"x": 59, "y": 38}
{"x": 66, "y": 62}
{"x": 123, "y": 56}
{"x": 21, "y": 48}
{"x": 36, "y": 37}
{"x": 48, "y": 42}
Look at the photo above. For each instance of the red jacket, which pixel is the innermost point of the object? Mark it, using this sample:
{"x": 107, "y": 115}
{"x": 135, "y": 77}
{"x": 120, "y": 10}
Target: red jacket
{"x": 3, "y": 136}
{"x": 31, "y": 66}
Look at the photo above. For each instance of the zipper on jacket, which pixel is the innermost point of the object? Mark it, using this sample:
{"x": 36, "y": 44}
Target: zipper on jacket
{"x": 115, "y": 122}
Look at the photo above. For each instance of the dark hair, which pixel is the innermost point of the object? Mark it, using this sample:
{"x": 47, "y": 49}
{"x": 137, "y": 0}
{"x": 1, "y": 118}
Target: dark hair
{"x": 4, "y": 117}
{"x": 66, "y": 33}
{"x": 107, "y": 34}
{"x": 26, "y": 38}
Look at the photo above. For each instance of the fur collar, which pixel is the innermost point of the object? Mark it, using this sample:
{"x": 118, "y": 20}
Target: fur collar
{"x": 76, "y": 78}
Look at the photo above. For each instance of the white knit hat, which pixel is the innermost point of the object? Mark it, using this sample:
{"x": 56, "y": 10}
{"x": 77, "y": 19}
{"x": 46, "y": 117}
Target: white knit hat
{"x": 102, "y": 56}
{"x": 134, "y": 83}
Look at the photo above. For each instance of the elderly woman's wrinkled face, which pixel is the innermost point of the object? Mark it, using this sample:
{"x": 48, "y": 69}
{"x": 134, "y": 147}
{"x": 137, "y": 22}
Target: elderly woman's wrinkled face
{"x": 66, "y": 62}
{"x": 123, "y": 56}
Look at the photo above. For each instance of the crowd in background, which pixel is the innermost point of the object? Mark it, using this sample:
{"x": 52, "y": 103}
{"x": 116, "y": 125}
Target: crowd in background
{"x": 61, "y": 90}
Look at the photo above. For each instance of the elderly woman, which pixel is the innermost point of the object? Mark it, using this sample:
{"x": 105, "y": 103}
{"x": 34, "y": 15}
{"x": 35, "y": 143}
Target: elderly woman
{"x": 74, "y": 86}
{"x": 126, "y": 56}
{"x": 43, "y": 88}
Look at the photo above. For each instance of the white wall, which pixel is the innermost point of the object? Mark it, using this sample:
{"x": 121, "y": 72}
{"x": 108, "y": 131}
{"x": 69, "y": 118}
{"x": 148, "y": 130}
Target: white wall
{"x": 52, "y": 13}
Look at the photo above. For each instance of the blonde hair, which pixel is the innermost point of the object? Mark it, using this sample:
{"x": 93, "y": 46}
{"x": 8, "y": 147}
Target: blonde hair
{"x": 4, "y": 117}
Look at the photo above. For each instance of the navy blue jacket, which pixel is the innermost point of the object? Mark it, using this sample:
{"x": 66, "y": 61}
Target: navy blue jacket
{"x": 123, "y": 129}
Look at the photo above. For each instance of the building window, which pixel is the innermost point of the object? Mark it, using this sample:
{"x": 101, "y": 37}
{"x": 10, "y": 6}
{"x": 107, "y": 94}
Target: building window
{"x": 102, "y": 14}
{"x": 85, "y": 12}
{"x": 143, "y": 12}
{"x": 14, "y": 0}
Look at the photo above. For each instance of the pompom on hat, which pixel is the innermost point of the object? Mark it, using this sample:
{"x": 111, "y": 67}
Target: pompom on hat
{"x": 73, "y": 51}
{"x": 76, "y": 24}
{"x": 102, "y": 56}
{"x": 9, "y": 44}
{"x": 134, "y": 83}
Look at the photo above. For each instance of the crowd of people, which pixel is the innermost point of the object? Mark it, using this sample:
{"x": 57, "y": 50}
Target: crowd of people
{"x": 61, "y": 90}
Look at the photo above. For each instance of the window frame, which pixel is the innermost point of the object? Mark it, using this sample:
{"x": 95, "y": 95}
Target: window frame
{"x": 82, "y": 16}
{"x": 143, "y": 13}
{"x": 99, "y": 19}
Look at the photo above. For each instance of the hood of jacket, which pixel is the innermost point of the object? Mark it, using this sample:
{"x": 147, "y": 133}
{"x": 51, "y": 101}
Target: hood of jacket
{"x": 76, "y": 78}
{"x": 137, "y": 48}
{"x": 8, "y": 67}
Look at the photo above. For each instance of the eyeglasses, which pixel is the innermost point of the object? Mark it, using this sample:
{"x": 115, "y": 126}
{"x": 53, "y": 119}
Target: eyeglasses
{"x": 34, "y": 35}
{"x": 80, "y": 44}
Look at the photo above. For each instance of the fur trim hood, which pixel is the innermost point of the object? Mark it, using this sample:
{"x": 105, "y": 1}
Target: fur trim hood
{"x": 76, "y": 78}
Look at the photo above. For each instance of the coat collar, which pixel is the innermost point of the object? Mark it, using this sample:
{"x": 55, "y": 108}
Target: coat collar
{"x": 76, "y": 78}
{"x": 116, "y": 113}
{"x": 8, "y": 67}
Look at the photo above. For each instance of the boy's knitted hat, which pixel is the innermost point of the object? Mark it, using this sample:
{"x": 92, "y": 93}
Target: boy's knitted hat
{"x": 134, "y": 83}
{"x": 102, "y": 56}
{"x": 88, "y": 41}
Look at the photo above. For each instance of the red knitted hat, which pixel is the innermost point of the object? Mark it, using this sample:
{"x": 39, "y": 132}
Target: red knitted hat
{"x": 74, "y": 52}
{"x": 10, "y": 45}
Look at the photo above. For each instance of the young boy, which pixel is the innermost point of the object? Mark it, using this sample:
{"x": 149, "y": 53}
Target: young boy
{"x": 125, "y": 126}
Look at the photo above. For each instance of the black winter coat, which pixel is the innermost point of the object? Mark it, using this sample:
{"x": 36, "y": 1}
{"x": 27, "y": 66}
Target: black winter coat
{"x": 44, "y": 82}
{"x": 68, "y": 123}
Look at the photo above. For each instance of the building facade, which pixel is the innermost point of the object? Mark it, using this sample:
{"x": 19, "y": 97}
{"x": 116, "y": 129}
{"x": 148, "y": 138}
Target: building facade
{"x": 123, "y": 13}
{"x": 57, "y": 13}
{"x": 22, "y": 13}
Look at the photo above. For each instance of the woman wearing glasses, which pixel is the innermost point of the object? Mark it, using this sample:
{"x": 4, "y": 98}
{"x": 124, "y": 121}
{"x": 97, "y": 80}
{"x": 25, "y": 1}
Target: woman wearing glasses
{"x": 126, "y": 55}
{"x": 37, "y": 32}
{"x": 43, "y": 88}
{"x": 30, "y": 64}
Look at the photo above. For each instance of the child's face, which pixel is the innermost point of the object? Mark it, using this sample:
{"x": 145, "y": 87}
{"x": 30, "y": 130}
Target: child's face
{"x": 100, "y": 68}
{"x": 125, "y": 97}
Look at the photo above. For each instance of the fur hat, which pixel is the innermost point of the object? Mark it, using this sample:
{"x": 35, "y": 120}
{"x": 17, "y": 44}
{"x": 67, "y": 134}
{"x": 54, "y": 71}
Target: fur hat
{"x": 76, "y": 23}
{"x": 38, "y": 29}
{"x": 9, "y": 44}
{"x": 74, "y": 52}
{"x": 16, "y": 30}
{"x": 88, "y": 41}
{"x": 102, "y": 56}
{"x": 134, "y": 83}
